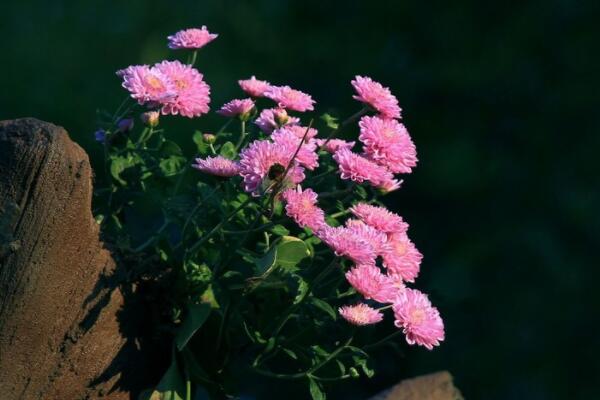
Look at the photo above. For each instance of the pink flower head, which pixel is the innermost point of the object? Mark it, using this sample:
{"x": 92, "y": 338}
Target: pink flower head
{"x": 369, "y": 281}
{"x": 289, "y": 98}
{"x": 307, "y": 154}
{"x": 193, "y": 94}
{"x": 359, "y": 169}
{"x": 147, "y": 84}
{"x": 387, "y": 142}
{"x": 264, "y": 161}
{"x": 419, "y": 320}
{"x": 254, "y": 87}
{"x": 237, "y": 108}
{"x": 219, "y": 166}
{"x": 360, "y": 314}
{"x": 402, "y": 257}
{"x": 377, "y": 239}
{"x": 302, "y": 208}
{"x": 273, "y": 118}
{"x": 191, "y": 38}
{"x": 301, "y": 131}
{"x": 375, "y": 95}
{"x": 347, "y": 243}
{"x": 333, "y": 145}
{"x": 379, "y": 218}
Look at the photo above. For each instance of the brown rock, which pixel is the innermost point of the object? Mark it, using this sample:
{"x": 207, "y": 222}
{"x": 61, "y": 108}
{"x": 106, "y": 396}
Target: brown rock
{"x": 436, "y": 386}
{"x": 61, "y": 330}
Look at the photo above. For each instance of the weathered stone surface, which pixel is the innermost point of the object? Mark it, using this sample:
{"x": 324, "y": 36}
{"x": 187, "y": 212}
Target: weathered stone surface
{"x": 438, "y": 386}
{"x": 61, "y": 328}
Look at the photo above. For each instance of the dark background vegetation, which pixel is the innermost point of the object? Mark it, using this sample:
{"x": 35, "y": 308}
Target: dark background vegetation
{"x": 501, "y": 99}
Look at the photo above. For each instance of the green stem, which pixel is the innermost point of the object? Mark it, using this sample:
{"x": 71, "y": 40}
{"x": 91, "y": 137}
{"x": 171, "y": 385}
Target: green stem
{"x": 346, "y": 122}
{"x": 383, "y": 341}
{"x": 242, "y": 136}
{"x": 194, "y": 56}
{"x": 204, "y": 238}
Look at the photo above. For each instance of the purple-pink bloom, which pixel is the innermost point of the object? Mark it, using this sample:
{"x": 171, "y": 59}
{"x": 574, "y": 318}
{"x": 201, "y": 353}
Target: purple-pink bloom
{"x": 377, "y": 239}
{"x": 219, "y": 166}
{"x": 389, "y": 185}
{"x": 360, "y": 314}
{"x": 237, "y": 107}
{"x": 262, "y": 160}
{"x": 273, "y": 118}
{"x": 359, "y": 169}
{"x": 307, "y": 154}
{"x": 387, "y": 142}
{"x": 419, "y": 320}
{"x": 333, "y": 145}
{"x": 147, "y": 84}
{"x": 379, "y": 218}
{"x": 303, "y": 132}
{"x": 302, "y": 207}
{"x": 254, "y": 87}
{"x": 402, "y": 257}
{"x": 370, "y": 282}
{"x": 193, "y": 38}
{"x": 377, "y": 96}
{"x": 347, "y": 243}
{"x": 289, "y": 98}
{"x": 192, "y": 93}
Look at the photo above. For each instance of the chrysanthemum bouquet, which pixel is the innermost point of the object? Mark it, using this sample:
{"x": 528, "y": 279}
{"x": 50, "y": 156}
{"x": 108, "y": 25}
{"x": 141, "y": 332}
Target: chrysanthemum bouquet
{"x": 271, "y": 248}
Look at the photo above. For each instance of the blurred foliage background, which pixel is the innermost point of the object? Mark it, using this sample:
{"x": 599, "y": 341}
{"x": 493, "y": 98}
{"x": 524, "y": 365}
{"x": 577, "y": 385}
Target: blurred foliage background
{"x": 501, "y": 99}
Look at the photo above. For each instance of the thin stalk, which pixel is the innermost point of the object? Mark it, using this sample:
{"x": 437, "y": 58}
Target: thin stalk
{"x": 383, "y": 341}
{"x": 346, "y": 122}
{"x": 242, "y": 136}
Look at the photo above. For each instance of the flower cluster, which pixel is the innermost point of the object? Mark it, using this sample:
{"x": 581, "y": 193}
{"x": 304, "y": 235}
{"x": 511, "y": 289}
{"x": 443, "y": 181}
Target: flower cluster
{"x": 274, "y": 158}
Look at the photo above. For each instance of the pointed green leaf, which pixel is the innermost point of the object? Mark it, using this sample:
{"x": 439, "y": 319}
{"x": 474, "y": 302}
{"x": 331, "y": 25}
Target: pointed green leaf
{"x": 290, "y": 251}
{"x": 324, "y": 306}
{"x": 315, "y": 390}
{"x": 228, "y": 150}
{"x": 196, "y": 316}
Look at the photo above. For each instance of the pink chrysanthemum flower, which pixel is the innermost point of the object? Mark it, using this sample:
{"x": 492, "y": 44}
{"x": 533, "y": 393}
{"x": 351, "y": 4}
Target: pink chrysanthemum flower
{"x": 254, "y": 87}
{"x": 333, "y": 145}
{"x": 289, "y": 98}
{"x": 273, "y": 118}
{"x": 369, "y": 281}
{"x": 147, "y": 84}
{"x": 402, "y": 257}
{"x": 237, "y": 107}
{"x": 375, "y": 95}
{"x": 387, "y": 142}
{"x": 263, "y": 160}
{"x": 191, "y": 38}
{"x": 219, "y": 166}
{"x": 193, "y": 94}
{"x": 347, "y": 243}
{"x": 419, "y": 320}
{"x": 307, "y": 154}
{"x": 379, "y": 218}
{"x": 359, "y": 169}
{"x": 377, "y": 239}
{"x": 301, "y": 131}
{"x": 360, "y": 314}
{"x": 302, "y": 208}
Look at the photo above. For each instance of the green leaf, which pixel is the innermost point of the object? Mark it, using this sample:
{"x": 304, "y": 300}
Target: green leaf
{"x": 280, "y": 230}
{"x": 228, "y": 150}
{"x": 267, "y": 262}
{"x": 315, "y": 390}
{"x": 302, "y": 288}
{"x": 118, "y": 165}
{"x": 324, "y": 306}
{"x": 197, "y": 373}
{"x": 197, "y": 315}
{"x": 290, "y": 353}
{"x": 170, "y": 148}
{"x": 170, "y": 387}
{"x": 290, "y": 251}
{"x": 200, "y": 143}
{"x": 172, "y": 165}
{"x": 330, "y": 121}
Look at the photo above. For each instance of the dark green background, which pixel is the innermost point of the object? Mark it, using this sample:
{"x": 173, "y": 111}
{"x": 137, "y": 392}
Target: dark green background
{"x": 501, "y": 99}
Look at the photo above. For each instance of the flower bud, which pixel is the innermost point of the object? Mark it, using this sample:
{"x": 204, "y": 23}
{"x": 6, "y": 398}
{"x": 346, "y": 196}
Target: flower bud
{"x": 209, "y": 138}
{"x": 125, "y": 125}
{"x": 281, "y": 116}
{"x": 150, "y": 118}
{"x": 100, "y": 135}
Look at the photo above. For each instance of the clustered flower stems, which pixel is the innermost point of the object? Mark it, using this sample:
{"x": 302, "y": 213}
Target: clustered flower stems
{"x": 278, "y": 234}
